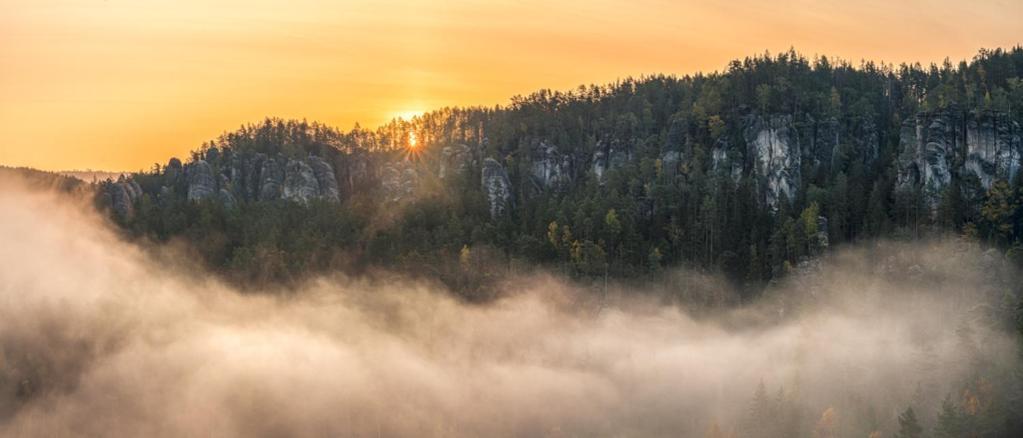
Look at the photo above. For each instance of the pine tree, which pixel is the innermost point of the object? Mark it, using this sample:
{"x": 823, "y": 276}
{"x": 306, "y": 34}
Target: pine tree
{"x": 950, "y": 423}
{"x": 909, "y": 427}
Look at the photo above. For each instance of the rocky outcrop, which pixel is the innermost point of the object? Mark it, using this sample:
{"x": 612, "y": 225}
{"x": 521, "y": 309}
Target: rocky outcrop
{"x": 271, "y": 179}
{"x": 928, "y": 145}
{"x": 258, "y": 177}
{"x": 300, "y": 183}
{"x": 201, "y": 183}
{"x": 326, "y": 181}
{"x": 121, "y": 196}
{"x": 496, "y": 187}
{"x": 550, "y": 168}
{"x": 774, "y": 147}
{"x": 992, "y": 147}
{"x": 936, "y": 147}
{"x": 454, "y": 160}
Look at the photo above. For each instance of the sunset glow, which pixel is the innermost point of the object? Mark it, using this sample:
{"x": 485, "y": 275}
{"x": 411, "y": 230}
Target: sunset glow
{"x": 121, "y": 84}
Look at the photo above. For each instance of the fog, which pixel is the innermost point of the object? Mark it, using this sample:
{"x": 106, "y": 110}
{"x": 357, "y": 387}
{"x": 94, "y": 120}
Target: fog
{"x": 101, "y": 338}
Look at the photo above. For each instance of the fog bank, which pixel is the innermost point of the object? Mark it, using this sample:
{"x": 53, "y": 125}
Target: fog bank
{"x": 99, "y": 338}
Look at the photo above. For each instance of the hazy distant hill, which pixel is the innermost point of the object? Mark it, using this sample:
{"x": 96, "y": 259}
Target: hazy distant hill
{"x": 43, "y": 180}
{"x": 747, "y": 172}
{"x": 93, "y": 176}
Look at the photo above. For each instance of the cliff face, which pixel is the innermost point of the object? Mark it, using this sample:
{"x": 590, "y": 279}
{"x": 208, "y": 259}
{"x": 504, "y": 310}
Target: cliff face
{"x": 121, "y": 196}
{"x": 992, "y": 147}
{"x": 496, "y": 187}
{"x": 231, "y": 178}
{"x": 773, "y": 146}
{"x": 938, "y": 146}
{"x": 549, "y": 167}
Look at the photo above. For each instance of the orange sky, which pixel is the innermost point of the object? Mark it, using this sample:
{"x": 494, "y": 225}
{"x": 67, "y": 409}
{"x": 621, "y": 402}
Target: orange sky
{"x": 121, "y": 84}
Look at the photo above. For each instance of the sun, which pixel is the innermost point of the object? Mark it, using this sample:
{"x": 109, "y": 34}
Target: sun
{"x": 413, "y": 142}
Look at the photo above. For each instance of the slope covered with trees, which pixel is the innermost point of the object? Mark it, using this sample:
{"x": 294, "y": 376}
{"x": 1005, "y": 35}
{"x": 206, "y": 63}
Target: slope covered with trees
{"x": 747, "y": 172}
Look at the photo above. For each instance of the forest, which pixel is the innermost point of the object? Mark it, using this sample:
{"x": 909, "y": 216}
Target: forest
{"x": 747, "y": 172}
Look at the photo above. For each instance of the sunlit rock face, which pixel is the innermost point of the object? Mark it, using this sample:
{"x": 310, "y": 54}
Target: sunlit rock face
{"x": 201, "y": 183}
{"x": 550, "y": 168}
{"x": 937, "y": 146}
{"x": 774, "y": 146}
{"x": 496, "y": 187}
{"x": 992, "y": 147}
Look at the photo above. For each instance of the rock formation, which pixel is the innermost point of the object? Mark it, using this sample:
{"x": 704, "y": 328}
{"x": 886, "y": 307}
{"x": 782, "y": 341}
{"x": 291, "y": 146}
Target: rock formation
{"x": 992, "y": 147}
{"x": 201, "y": 183}
{"x": 300, "y": 183}
{"x": 454, "y": 159}
{"x": 774, "y": 148}
{"x": 496, "y": 187}
{"x": 550, "y": 168}
{"x": 121, "y": 196}
{"x": 325, "y": 179}
{"x": 257, "y": 177}
{"x": 937, "y": 146}
{"x": 271, "y": 179}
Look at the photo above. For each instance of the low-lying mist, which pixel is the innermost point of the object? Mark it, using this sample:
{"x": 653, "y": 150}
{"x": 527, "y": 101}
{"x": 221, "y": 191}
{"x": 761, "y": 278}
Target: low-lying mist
{"x": 101, "y": 338}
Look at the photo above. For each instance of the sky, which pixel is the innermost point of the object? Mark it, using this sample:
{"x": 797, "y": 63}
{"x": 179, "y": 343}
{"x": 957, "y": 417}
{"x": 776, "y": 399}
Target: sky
{"x": 123, "y": 84}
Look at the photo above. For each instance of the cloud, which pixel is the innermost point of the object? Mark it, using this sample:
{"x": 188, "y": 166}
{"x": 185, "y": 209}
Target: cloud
{"x": 101, "y": 338}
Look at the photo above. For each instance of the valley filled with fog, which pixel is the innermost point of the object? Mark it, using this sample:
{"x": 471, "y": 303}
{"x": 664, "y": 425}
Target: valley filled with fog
{"x": 99, "y": 337}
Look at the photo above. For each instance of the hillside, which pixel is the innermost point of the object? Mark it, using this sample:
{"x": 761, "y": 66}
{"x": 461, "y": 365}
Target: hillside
{"x": 748, "y": 172}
